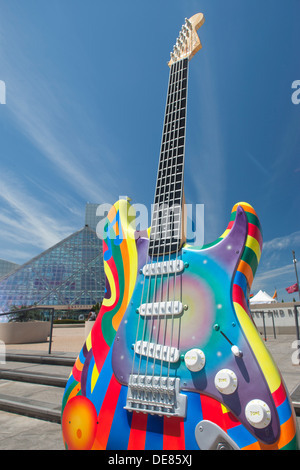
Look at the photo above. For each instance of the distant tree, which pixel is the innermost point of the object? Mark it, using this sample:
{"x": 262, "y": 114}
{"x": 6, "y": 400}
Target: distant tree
{"x": 95, "y": 308}
{"x": 19, "y": 313}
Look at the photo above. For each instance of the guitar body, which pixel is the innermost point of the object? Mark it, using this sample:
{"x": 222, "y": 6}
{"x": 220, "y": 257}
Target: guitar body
{"x": 212, "y": 317}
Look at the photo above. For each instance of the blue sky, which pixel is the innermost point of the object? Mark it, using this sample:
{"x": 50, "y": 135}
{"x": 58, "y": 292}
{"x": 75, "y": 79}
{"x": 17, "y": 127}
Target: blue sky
{"x": 86, "y": 85}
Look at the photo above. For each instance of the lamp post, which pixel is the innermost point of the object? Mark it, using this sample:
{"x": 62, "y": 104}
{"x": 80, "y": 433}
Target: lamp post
{"x": 295, "y": 307}
{"x": 295, "y": 264}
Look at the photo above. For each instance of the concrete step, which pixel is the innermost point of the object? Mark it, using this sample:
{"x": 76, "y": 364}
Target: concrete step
{"x": 33, "y": 377}
{"x": 41, "y": 359}
{"x": 33, "y": 385}
{"x": 31, "y": 408}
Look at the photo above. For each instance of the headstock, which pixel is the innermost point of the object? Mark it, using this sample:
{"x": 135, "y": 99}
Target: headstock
{"x": 188, "y": 42}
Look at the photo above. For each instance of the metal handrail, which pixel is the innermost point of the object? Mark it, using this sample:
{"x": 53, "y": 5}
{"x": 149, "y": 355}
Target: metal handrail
{"x": 265, "y": 310}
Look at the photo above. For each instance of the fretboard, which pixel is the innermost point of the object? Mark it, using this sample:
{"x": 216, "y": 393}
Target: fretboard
{"x": 166, "y": 222}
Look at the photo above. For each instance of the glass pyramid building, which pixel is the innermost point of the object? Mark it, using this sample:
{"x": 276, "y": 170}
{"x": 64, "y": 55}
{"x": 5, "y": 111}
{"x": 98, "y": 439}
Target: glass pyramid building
{"x": 69, "y": 273}
{"x": 6, "y": 267}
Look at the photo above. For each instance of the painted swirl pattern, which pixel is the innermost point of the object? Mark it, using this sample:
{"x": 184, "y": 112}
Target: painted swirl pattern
{"x": 93, "y": 415}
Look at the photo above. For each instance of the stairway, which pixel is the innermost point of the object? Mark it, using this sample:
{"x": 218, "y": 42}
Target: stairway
{"x": 33, "y": 385}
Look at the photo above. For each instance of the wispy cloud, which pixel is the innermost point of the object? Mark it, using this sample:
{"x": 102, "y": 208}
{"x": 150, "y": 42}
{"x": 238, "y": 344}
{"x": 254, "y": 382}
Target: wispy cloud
{"x": 258, "y": 165}
{"x": 25, "y": 220}
{"x": 72, "y": 148}
{"x": 281, "y": 243}
{"x": 57, "y": 123}
{"x": 39, "y": 118}
{"x": 273, "y": 273}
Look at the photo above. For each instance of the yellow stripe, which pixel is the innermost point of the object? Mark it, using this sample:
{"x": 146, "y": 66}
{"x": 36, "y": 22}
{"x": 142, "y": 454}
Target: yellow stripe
{"x": 254, "y": 245}
{"x": 88, "y": 342}
{"x": 128, "y": 223}
{"x": 224, "y": 409}
{"x": 129, "y": 258}
{"x": 225, "y": 233}
{"x": 263, "y": 357}
{"x": 133, "y": 260}
{"x": 94, "y": 378}
{"x": 108, "y": 302}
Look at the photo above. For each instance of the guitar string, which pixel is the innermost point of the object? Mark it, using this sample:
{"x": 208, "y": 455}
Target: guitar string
{"x": 174, "y": 153}
{"x": 161, "y": 256}
{"x": 159, "y": 214}
{"x": 167, "y": 222}
{"x": 184, "y": 69}
{"x": 172, "y": 112}
{"x": 153, "y": 227}
{"x": 172, "y": 207}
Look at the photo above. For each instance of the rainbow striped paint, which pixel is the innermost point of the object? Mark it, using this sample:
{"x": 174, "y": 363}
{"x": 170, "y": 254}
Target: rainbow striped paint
{"x": 214, "y": 286}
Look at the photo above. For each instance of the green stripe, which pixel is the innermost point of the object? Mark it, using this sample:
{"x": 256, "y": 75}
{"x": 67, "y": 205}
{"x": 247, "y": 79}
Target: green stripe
{"x": 68, "y": 392}
{"x": 208, "y": 245}
{"x": 108, "y": 330}
{"x": 252, "y": 219}
{"x": 249, "y": 256}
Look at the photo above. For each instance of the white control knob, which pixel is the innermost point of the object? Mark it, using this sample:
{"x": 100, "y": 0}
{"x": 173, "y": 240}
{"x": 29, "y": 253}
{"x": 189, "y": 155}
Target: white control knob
{"x": 236, "y": 351}
{"x": 258, "y": 414}
{"x": 194, "y": 360}
{"x": 226, "y": 381}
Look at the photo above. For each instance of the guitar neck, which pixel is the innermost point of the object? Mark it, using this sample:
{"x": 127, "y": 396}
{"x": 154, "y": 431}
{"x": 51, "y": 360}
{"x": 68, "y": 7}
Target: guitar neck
{"x": 166, "y": 233}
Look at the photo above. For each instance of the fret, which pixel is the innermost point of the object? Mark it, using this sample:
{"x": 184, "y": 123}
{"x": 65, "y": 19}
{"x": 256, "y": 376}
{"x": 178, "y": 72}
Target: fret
{"x": 173, "y": 144}
{"x": 169, "y": 179}
{"x": 171, "y": 186}
{"x": 171, "y": 152}
{"x": 175, "y": 114}
{"x": 171, "y": 182}
{"x": 166, "y": 216}
{"x": 172, "y": 126}
{"x": 173, "y": 133}
{"x": 164, "y": 219}
{"x": 175, "y": 104}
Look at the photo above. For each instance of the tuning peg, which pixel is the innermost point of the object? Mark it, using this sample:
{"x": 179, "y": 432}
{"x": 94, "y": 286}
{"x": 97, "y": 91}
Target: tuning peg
{"x": 188, "y": 23}
{"x": 179, "y": 44}
{"x": 187, "y": 32}
{"x": 182, "y": 37}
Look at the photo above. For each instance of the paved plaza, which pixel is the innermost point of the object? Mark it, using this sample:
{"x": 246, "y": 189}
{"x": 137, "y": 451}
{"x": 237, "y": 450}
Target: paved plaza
{"x": 19, "y": 432}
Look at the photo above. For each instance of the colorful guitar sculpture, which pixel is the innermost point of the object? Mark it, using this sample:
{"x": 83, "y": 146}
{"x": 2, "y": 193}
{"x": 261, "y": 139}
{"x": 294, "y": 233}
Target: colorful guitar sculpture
{"x": 174, "y": 361}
